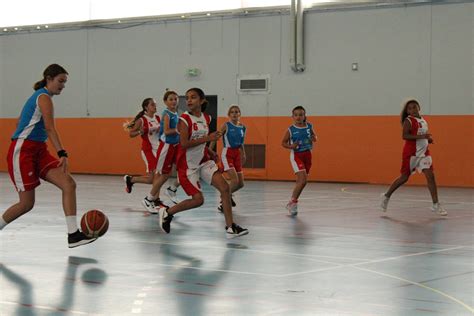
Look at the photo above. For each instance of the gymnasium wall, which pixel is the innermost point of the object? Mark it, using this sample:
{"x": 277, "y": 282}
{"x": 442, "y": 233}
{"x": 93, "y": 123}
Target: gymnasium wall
{"x": 424, "y": 51}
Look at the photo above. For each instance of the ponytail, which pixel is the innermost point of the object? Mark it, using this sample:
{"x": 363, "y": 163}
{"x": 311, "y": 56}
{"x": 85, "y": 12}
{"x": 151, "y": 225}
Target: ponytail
{"x": 50, "y": 72}
{"x": 140, "y": 114}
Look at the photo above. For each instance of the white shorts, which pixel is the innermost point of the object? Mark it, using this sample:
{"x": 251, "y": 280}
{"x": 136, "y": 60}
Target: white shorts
{"x": 420, "y": 163}
{"x": 189, "y": 178}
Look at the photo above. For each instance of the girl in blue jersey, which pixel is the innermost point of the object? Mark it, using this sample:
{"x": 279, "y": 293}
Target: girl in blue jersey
{"x": 299, "y": 138}
{"x": 29, "y": 160}
{"x": 167, "y": 151}
{"x": 233, "y": 152}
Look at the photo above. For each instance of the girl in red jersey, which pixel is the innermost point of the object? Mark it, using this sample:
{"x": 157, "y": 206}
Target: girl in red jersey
{"x": 147, "y": 125}
{"x": 299, "y": 138}
{"x": 29, "y": 160}
{"x": 195, "y": 163}
{"x": 416, "y": 156}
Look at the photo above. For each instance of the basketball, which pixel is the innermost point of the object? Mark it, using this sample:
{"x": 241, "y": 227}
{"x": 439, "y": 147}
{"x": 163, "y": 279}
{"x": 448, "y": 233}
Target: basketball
{"x": 94, "y": 223}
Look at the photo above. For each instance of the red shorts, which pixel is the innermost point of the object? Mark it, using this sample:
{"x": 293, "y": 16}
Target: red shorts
{"x": 150, "y": 159}
{"x": 166, "y": 157}
{"x": 301, "y": 161}
{"x": 28, "y": 161}
{"x": 231, "y": 159}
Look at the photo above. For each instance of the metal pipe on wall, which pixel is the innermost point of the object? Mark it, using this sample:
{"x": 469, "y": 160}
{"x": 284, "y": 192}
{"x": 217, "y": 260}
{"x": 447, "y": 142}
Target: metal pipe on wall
{"x": 297, "y": 36}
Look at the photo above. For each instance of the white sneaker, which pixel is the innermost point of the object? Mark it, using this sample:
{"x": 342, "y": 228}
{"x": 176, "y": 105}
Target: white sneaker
{"x": 149, "y": 206}
{"x": 292, "y": 208}
{"x": 438, "y": 209}
{"x": 172, "y": 194}
{"x": 384, "y": 202}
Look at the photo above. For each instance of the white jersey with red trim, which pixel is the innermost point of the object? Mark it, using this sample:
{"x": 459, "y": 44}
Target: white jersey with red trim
{"x": 198, "y": 127}
{"x": 151, "y": 129}
{"x": 418, "y": 147}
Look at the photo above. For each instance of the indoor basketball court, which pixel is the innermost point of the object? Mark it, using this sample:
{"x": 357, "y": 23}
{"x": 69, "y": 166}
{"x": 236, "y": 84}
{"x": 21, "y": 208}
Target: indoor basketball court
{"x": 319, "y": 111}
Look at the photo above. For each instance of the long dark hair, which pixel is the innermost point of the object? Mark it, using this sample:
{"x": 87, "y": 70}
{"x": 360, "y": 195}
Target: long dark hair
{"x": 202, "y": 96}
{"x": 140, "y": 114}
{"x": 404, "y": 113}
{"x": 50, "y": 72}
{"x": 299, "y": 107}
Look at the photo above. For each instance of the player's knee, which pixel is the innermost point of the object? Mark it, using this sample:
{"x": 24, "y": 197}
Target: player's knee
{"x": 70, "y": 184}
{"x": 198, "y": 200}
{"x": 27, "y": 206}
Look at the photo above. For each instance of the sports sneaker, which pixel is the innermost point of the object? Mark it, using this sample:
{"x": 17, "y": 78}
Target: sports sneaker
{"x": 292, "y": 208}
{"x": 220, "y": 208}
{"x": 165, "y": 220}
{"x": 438, "y": 209}
{"x": 172, "y": 194}
{"x": 232, "y": 201}
{"x": 235, "y": 231}
{"x": 78, "y": 238}
{"x": 128, "y": 183}
{"x": 149, "y": 206}
{"x": 384, "y": 202}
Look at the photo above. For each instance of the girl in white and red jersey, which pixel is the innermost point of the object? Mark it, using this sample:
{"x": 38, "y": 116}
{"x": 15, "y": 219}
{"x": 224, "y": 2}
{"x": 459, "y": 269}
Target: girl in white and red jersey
{"x": 147, "y": 125}
{"x": 167, "y": 153}
{"x": 299, "y": 138}
{"x": 416, "y": 156}
{"x": 233, "y": 152}
{"x": 195, "y": 163}
{"x": 29, "y": 160}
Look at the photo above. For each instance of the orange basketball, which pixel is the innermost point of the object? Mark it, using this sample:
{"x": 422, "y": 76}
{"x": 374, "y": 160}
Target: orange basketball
{"x": 94, "y": 223}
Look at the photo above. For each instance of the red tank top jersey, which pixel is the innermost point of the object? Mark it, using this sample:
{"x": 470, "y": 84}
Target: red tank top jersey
{"x": 416, "y": 147}
{"x": 198, "y": 127}
{"x": 151, "y": 128}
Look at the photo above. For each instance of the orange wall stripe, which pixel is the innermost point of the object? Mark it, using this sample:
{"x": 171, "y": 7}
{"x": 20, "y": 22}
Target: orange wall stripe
{"x": 364, "y": 149}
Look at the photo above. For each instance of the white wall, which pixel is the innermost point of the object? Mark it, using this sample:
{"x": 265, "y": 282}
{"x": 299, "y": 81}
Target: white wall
{"x": 420, "y": 51}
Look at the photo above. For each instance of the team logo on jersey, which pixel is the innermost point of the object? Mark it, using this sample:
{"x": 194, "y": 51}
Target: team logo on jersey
{"x": 195, "y": 126}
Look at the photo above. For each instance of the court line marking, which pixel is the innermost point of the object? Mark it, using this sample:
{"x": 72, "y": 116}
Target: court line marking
{"x": 344, "y": 190}
{"x": 314, "y": 257}
{"x": 466, "y": 306}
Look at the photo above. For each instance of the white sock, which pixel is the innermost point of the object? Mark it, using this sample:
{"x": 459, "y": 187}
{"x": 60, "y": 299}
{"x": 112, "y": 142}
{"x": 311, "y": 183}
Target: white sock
{"x": 71, "y": 224}
{"x": 2, "y": 223}
{"x": 150, "y": 197}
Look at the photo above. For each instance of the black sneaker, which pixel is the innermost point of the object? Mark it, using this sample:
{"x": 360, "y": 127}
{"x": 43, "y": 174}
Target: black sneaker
{"x": 78, "y": 238}
{"x": 220, "y": 208}
{"x": 165, "y": 220}
{"x": 128, "y": 183}
{"x": 232, "y": 201}
{"x": 235, "y": 231}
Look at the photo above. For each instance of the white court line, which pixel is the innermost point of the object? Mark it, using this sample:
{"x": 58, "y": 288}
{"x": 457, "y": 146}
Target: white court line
{"x": 344, "y": 190}
{"x": 469, "y": 308}
{"x": 375, "y": 260}
{"x": 313, "y": 257}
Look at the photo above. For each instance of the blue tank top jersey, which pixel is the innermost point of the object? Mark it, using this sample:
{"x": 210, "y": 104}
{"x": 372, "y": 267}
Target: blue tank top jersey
{"x": 234, "y": 135}
{"x": 302, "y": 137}
{"x": 31, "y": 124}
{"x": 173, "y": 123}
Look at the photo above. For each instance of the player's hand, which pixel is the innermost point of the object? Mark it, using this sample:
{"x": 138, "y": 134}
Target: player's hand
{"x": 244, "y": 159}
{"x": 214, "y": 136}
{"x": 430, "y": 140}
{"x": 64, "y": 164}
{"x": 294, "y": 146}
{"x": 427, "y": 136}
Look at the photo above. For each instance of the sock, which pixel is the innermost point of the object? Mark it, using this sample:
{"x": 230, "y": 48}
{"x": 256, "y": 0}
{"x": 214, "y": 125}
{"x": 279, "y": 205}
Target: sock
{"x": 150, "y": 197}
{"x": 71, "y": 224}
{"x": 2, "y": 223}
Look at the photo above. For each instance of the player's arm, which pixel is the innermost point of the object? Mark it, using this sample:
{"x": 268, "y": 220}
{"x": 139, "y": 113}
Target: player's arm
{"x": 47, "y": 111}
{"x": 213, "y": 144}
{"x": 406, "y": 132}
{"x": 242, "y": 154}
{"x": 188, "y": 143}
{"x": 286, "y": 141}
{"x": 166, "y": 127}
{"x": 136, "y": 129}
{"x": 314, "y": 138}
